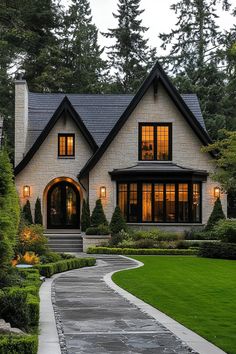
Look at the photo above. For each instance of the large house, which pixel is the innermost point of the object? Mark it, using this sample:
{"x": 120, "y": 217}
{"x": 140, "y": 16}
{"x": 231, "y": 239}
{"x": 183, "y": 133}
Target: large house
{"x": 140, "y": 152}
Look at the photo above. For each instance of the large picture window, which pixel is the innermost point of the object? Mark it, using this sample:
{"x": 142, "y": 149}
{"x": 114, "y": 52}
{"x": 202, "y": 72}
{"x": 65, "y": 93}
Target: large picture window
{"x": 160, "y": 202}
{"x": 66, "y": 145}
{"x": 155, "y": 141}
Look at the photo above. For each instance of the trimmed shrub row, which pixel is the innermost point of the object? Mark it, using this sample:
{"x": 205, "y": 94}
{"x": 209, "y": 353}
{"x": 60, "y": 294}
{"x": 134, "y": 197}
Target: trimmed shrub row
{"x": 141, "y": 251}
{"x": 49, "y": 269}
{"x": 218, "y": 250}
{"x": 19, "y": 344}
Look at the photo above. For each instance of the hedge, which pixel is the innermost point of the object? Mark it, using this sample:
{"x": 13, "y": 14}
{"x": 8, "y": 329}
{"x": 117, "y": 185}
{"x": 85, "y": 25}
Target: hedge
{"x": 141, "y": 251}
{"x": 218, "y": 250}
{"x": 19, "y": 344}
{"x": 49, "y": 269}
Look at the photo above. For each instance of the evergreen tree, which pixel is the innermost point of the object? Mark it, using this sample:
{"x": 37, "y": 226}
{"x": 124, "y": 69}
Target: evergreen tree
{"x": 216, "y": 215}
{"x": 85, "y": 217}
{"x": 27, "y": 212}
{"x": 130, "y": 57}
{"x": 98, "y": 216}
{"x": 195, "y": 59}
{"x": 83, "y": 68}
{"x": 38, "y": 218}
{"x": 117, "y": 221}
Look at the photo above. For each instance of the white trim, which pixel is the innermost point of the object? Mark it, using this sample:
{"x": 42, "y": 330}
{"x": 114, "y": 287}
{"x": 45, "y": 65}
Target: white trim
{"x": 193, "y": 340}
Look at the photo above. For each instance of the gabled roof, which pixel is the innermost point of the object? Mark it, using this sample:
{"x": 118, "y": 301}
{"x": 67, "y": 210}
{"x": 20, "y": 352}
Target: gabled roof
{"x": 156, "y": 75}
{"x": 66, "y": 108}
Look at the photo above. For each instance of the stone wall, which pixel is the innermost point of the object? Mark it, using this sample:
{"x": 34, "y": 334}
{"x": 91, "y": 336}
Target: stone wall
{"x": 123, "y": 151}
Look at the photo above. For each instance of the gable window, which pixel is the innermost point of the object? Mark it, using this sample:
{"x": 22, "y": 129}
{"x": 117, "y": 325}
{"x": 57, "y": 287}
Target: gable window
{"x": 66, "y": 145}
{"x": 155, "y": 141}
{"x": 162, "y": 202}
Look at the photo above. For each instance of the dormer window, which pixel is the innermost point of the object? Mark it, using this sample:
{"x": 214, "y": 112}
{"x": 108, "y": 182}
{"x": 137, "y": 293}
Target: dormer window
{"x": 155, "y": 141}
{"x": 66, "y": 145}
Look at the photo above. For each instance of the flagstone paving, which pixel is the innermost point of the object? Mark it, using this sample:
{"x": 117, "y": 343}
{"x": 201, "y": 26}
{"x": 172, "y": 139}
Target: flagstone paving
{"x": 95, "y": 319}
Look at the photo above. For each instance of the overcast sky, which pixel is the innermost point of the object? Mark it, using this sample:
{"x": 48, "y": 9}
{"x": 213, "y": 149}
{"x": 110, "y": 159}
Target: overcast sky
{"x": 157, "y": 16}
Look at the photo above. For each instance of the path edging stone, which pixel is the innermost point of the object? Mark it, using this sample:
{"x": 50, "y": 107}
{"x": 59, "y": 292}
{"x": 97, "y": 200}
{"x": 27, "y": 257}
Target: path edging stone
{"x": 190, "y": 338}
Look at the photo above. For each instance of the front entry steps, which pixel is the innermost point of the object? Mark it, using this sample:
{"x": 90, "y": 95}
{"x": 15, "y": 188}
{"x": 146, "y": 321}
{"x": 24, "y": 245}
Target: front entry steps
{"x": 64, "y": 240}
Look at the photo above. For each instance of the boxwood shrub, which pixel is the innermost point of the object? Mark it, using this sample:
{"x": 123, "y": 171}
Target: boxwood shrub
{"x": 141, "y": 251}
{"x": 19, "y": 344}
{"x": 218, "y": 250}
{"x": 49, "y": 269}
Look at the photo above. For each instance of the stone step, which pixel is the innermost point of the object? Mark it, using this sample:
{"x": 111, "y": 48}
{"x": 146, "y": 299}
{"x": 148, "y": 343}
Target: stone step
{"x": 67, "y": 249}
{"x": 62, "y": 231}
{"x": 63, "y": 236}
{"x": 62, "y": 242}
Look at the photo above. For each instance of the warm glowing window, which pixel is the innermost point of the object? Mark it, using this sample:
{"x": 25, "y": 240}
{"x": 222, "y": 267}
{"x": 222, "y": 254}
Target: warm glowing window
{"x": 155, "y": 142}
{"x": 128, "y": 201}
{"x": 159, "y": 202}
{"x": 183, "y": 202}
{"x": 170, "y": 202}
{"x": 66, "y": 145}
{"x": 147, "y": 202}
{"x": 123, "y": 198}
{"x": 196, "y": 206}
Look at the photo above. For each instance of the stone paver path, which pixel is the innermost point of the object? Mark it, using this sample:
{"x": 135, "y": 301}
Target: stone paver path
{"x": 95, "y": 319}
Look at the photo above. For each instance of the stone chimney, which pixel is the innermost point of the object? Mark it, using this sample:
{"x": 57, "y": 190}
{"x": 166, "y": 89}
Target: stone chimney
{"x": 21, "y": 117}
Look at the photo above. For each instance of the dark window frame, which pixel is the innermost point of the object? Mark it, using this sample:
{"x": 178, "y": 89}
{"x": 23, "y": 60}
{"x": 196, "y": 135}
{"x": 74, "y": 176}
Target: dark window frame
{"x": 155, "y": 125}
{"x": 153, "y": 182}
{"x": 66, "y": 135}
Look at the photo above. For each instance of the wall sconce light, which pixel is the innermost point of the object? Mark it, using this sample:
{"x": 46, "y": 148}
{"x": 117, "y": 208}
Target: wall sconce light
{"x": 103, "y": 192}
{"x": 217, "y": 192}
{"x": 26, "y": 191}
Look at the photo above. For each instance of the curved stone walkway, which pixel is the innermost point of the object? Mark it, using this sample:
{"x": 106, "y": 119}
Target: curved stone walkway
{"x": 95, "y": 319}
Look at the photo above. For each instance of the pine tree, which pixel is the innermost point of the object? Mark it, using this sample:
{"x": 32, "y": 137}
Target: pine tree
{"x": 117, "y": 221}
{"x": 98, "y": 216}
{"x": 38, "y": 218}
{"x": 195, "y": 58}
{"x": 82, "y": 63}
{"x": 27, "y": 212}
{"x": 130, "y": 57}
{"x": 85, "y": 217}
{"x": 216, "y": 215}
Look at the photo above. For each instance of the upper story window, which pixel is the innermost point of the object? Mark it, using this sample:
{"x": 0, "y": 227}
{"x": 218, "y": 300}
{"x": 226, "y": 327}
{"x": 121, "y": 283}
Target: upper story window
{"x": 155, "y": 141}
{"x": 66, "y": 145}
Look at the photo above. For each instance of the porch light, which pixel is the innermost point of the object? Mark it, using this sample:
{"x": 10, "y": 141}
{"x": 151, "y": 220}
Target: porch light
{"x": 103, "y": 192}
{"x": 26, "y": 191}
{"x": 217, "y": 192}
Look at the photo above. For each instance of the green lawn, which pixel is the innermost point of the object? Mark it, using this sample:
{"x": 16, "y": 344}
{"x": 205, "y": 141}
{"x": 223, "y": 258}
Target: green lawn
{"x": 197, "y": 292}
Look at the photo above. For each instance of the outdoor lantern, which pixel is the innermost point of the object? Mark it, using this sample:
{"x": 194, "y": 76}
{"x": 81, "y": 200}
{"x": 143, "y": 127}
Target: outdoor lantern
{"x": 103, "y": 192}
{"x": 26, "y": 191}
{"x": 217, "y": 192}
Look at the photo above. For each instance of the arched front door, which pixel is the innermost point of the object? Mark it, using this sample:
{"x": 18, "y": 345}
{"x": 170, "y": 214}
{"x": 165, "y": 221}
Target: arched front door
{"x": 63, "y": 203}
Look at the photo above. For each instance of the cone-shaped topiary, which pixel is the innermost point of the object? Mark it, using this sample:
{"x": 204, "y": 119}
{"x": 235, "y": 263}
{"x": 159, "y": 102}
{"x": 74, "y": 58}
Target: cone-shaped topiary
{"x": 85, "y": 217}
{"x": 117, "y": 221}
{"x": 216, "y": 215}
{"x": 98, "y": 216}
{"x": 27, "y": 212}
{"x": 38, "y": 218}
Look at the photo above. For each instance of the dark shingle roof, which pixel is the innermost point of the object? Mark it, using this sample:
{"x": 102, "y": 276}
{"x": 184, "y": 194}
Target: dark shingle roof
{"x": 98, "y": 112}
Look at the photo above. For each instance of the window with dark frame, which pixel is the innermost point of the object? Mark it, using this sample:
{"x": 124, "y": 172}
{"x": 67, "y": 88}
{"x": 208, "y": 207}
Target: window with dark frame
{"x": 155, "y": 141}
{"x": 66, "y": 145}
{"x": 160, "y": 202}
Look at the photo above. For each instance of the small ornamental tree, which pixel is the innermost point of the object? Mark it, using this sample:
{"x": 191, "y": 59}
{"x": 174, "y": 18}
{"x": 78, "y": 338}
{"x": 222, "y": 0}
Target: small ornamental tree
{"x": 216, "y": 215}
{"x": 98, "y": 216}
{"x": 85, "y": 217}
{"x": 27, "y": 212}
{"x": 38, "y": 218}
{"x": 117, "y": 221}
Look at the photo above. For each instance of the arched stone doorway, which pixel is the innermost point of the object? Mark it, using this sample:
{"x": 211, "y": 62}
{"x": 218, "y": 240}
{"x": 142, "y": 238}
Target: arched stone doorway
{"x": 63, "y": 206}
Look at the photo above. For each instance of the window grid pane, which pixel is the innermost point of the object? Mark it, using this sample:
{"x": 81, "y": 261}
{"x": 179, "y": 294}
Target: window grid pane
{"x": 183, "y": 203}
{"x": 62, "y": 146}
{"x": 122, "y": 199}
{"x": 163, "y": 143}
{"x": 147, "y": 143}
{"x": 70, "y": 145}
{"x": 170, "y": 202}
{"x": 133, "y": 202}
{"x": 159, "y": 203}
{"x": 196, "y": 203}
{"x": 147, "y": 202}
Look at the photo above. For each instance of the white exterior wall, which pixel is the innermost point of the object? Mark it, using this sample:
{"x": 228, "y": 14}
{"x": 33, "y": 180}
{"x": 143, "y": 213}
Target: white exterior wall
{"x": 123, "y": 151}
{"x": 45, "y": 166}
{"x": 21, "y": 118}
